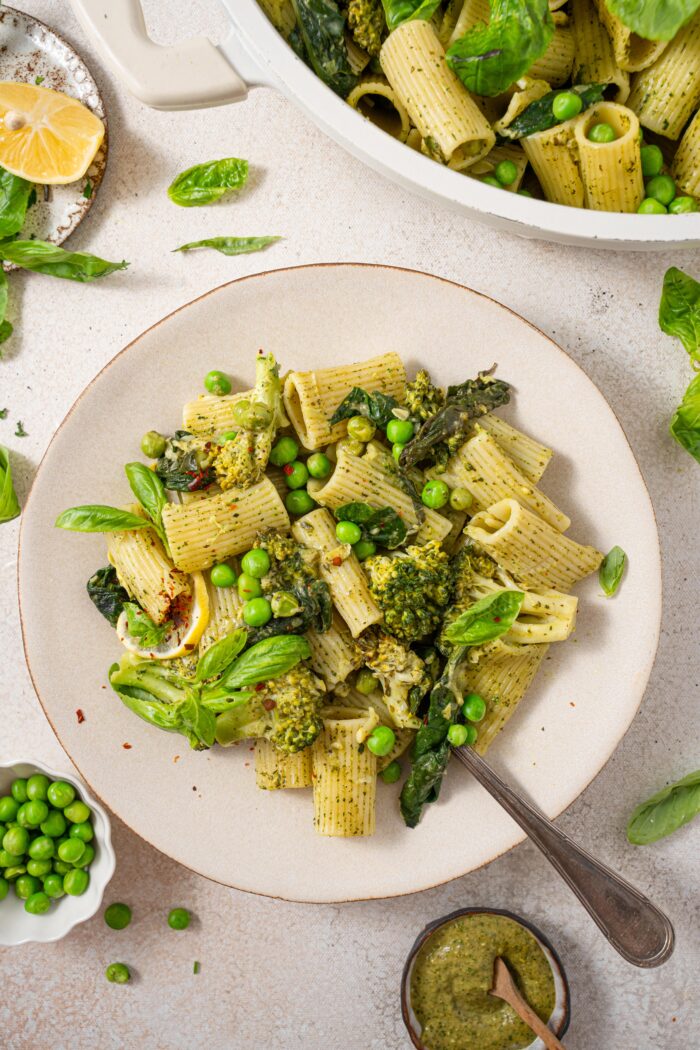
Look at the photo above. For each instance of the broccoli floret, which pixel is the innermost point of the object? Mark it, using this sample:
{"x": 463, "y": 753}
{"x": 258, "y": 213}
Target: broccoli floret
{"x": 367, "y": 23}
{"x": 294, "y": 570}
{"x": 467, "y": 563}
{"x": 411, "y": 588}
{"x": 287, "y": 712}
{"x": 401, "y": 672}
{"x": 241, "y": 461}
{"x": 423, "y": 398}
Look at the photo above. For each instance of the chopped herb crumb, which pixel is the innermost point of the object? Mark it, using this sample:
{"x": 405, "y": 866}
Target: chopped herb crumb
{"x": 20, "y": 432}
{"x": 195, "y": 967}
{"x": 3, "y": 413}
{"x": 87, "y": 192}
{"x": 39, "y": 80}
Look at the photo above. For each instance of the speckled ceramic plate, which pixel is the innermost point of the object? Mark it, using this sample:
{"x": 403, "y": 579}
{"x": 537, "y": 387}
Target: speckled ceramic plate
{"x": 32, "y": 52}
{"x": 203, "y": 809}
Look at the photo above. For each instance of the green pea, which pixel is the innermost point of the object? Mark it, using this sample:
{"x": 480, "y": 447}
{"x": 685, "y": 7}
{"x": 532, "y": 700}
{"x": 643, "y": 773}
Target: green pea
{"x": 18, "y": 790}
{"x": 241, "y": 414}
{"x": 37, "y": 786}
{"x": 222, "y": 576}
{"x": 257, "y": 612}
{"x": 7, "y": 859}
{"x": 471, "y": 735}
{"x": 461, "y": 499}
{"x": 4, "y": 888}
{"x": 319, "y": 465}
{"x": 60, "y": 794}
{"x": 61, "y": 868}
{"x": 350, "y": 445}
{"x": 248, "y": 587}
{"x": 75, "y": 882}
{"x": 681, "y": 205}
{"x": 53, "y": 886}
{"x": 16, "y": 841}
{"x": 77, "y": 812}
{"x": 662, "y": 188}
{"x": 84, "y": 832}
{"x": 87, "y": 857}
{"x": 396, "y": 449}
{"x": 71, "y": 850}
{"x": 22, "y": 816}
{"x": 228, "y": 435}
{"x": 42, "y": 847}
{"x": 566, "y": 105}
{"x": 392, "y": 772}
{"x": 650, "y": 206}
{"x": 381, "y": 740}
{"x": 435, "y": 494}
{"x": 26, "y": 885}
{"x": 55, "y": 824}
{"x": 506, "y": 172}
{"x": 117, "y": 973}
{"x": 153, "y": 444}
{"x": 284, "y": 451}
{"x": 364, "y": 549}
{"x": 457, "y": 735}
{"x": 399, "y": 430}
{"x": 365, "y": 682}
{"x": 15, "y": 870}
{"x": 8, "y": 807}
{"x": 361, "y": 429}
{"x": 295, "y": 474}
{"x": 217, "y": 383}
{"x": 39, "y": 867}
{"x": 33, "y": 812}
{"x": 474, "y": 707}
{"x": 491, "y": 180}
{"x": 299, "y": 502}
{"x": 118, "y": 916}
{"x": 652, "y": 161}
{"x": 38, "y": 904}
{"x": 260, "y": 416}
{"x": 256, "y": 563}
{"x": 601, "y": 133}
{"x": 284, "y": 603}
{"x": 178, "y": 918}
{"x": 348, "y": 532}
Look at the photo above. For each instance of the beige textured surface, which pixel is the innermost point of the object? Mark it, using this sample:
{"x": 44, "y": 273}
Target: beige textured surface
{"x": 292, "y": 977}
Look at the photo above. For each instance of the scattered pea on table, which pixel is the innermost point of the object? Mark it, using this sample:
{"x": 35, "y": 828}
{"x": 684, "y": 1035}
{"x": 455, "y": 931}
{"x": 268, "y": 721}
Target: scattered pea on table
{"x": 178, "y": 918}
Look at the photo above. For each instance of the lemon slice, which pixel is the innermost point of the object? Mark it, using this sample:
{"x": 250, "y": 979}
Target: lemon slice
{"x": 46, "y": 136}
{"x": 187, "y": 627}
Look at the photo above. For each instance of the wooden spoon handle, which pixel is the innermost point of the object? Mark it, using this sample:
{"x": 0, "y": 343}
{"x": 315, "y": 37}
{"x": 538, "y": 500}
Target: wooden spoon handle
{"x": 528, "y": 1015}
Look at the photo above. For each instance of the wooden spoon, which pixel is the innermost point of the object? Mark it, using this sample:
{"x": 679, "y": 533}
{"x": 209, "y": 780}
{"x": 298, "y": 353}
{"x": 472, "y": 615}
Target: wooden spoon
{"x": 504, "y": 988}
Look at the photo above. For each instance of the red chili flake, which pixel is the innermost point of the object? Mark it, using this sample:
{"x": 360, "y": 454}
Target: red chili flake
{"x": 497, "y": 619}
{"x": 288, "y": 469}
{"x": 190, "y": 645}
{"x": 79, "y": 715}
{"x": 127, "y": 747}
{"x": 337, "y": 560}
{"x": 269, "y": 705}
{"x": 259, "y": 687}
{"x": 176, "y": 758}
{"x": 571, "y": 703}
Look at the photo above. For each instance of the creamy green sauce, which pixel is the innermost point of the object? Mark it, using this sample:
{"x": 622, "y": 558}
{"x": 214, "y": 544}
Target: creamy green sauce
{"x": 452, "y": 975}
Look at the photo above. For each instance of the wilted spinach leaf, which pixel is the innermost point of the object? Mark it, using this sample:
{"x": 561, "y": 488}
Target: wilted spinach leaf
{"x": 185, "y": 466}
{"x": 107, "y": 593}
{"x": 230, "y": 245}
{"x": 377, "y": 407}
{"x": 379, "y": 525}
{"x": 207, "y": 183}
{"x": 539, "y": 116}
{"x": 322, "y": 29}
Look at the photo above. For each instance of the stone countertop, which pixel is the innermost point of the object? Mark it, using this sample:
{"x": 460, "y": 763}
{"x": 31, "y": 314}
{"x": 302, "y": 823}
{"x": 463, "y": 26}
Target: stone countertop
{"x": 287, "y": 976}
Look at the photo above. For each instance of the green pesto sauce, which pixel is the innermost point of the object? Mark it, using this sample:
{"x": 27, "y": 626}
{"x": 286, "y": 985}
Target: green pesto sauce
{"x": 452, "y": 975}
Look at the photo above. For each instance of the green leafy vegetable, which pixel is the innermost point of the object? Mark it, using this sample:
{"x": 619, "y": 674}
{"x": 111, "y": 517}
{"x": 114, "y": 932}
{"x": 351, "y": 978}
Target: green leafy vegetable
{"x": 221, "y": 655}
{"x": 399, "y": 11}
{"x": 20, "y": 432}
{"x": 207, "y": 183}
{"x": 230, "y": 245}
{"x": 42, "y": 257}
{"x": 96, "y": 518}
{"x": 654, "y": 19}
{"x": 322, "y": 29}
{"x": 538, "y": 116}
{"x": 5, "y": 326}
{"x": 14, "y": 201}
{"x": 266, "y": 659}
{"x": 9, "y": 506}
{"x": 150, "y": 492}
{"x": 107, "y": 594}
{"x": 87, "y": 190}
{"x": 486, "y": 619}
{"x": 489, "y": 58}
{"x": 679, "y": 310}
{"x": 3, "y": 413}
{"x": 685, "y": 425}
{"x": 377, "y": 407}
{"x": 163, "y": 699}
{"x": 611, "y": 570}
{"x": 141, "y": 626}
{"x": 666, "y": 811}
{"x": 187, "y": 463}
{"x": 382, "y": 526}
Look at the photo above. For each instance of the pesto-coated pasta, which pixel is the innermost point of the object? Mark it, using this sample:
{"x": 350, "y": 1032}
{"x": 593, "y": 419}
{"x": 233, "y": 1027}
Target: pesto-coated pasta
{"x": 344, "y": 776}
{"x": 557, "y": 62}
{"x": 210, "y": 413}
{"x": 502, "y": 677}
{"x": 334, "y": 655}
{"x": 686, "y": 165}
{"x": 367, "y": 97}
{"x": 530, "y": 456}
{"x": 665, "y": 96}
{"x": 632, "y": 52}
{"x": 611, "y": 171}
{"x": 275, "y": 770}
{"x": 145, "y": 570}
{"x": 594, "y": 59}
{"x": 554, "y": 157}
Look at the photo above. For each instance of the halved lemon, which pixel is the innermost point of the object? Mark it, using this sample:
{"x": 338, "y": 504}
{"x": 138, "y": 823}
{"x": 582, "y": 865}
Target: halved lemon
{"x": 46, "y": 136}
{"x": 187, "y": 627}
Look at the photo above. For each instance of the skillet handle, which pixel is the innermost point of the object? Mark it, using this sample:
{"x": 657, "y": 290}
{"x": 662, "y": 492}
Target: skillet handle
{"x": 192, "y": 74}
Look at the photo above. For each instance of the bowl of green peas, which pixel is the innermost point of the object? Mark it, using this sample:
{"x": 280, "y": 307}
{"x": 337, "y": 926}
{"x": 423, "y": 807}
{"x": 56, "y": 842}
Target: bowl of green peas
{"x": 56, "y": 855}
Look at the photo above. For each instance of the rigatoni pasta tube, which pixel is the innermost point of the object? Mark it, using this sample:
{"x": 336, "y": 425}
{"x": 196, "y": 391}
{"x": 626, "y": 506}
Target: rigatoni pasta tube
{"x": 502, "y": 677}
{"x": 145, "y": 570}
{"x": 311, "y": 398}
{"x": 545, "y": 616}
{"x": 281, "y": 14}
{"x": 472, "y": 12}
{"x": 665, "y": 96}
{"x": 211, "y": 530}
{"x": 344, "y": 776}
{"x": 529, "y": 549}
{"x": 210, "y": 413}
{"x": 453, "y": 128}
{"x": 611, "y": 171}
{"x": 225, "y": 606}
{"x": 632, "y": 52}
{"x": 367, "y": 98}
{"x": 507, "y": 151}
{"x": 554, "y": 158}
{"x": 334, "y": 655}
{"x": 556, "y": 63}
{"x": 341, "y": 571}
{"x": 276, "y": 770}
{"x": 530, "y": 456}
{"x": 686, "y": 164}
{"x": 594, "y": 59}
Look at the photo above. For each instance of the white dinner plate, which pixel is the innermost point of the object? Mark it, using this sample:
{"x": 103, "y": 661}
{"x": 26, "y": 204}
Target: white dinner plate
{"x": 203, "y": 808}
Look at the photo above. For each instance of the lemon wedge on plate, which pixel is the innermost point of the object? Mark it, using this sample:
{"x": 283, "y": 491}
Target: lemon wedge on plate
{"x": 46, "y": 136}
{"x": 184, "y": 633}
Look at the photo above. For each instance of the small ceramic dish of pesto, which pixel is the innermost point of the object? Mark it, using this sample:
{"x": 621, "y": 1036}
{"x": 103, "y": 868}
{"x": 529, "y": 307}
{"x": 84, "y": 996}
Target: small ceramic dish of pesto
{"x": 446, "y": 980}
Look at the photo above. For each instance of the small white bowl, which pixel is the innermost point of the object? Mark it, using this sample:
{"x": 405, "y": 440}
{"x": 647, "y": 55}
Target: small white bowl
{"x": 16, "y": 925}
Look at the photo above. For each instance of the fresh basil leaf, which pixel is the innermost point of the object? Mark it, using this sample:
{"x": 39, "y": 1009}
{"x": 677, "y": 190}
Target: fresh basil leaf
{"x": 42, "y": 257}
{"x": 265, "y": 660}
{"x": 666, "y": 811}
{"x": 377, "y": 407}
{"x": 489, "y": 58}
{"x": 220, "y": 655}
{"x": 228, "y": 702}
{"x": 230, "y": 245}
{"x": 107, "y": 594}
{"x": 207, "y": 183}
{"x": 679, "y": 310}
{"x": 685, "y": 425}
{"x": 654, "y": 19}
{"x": 382, "y": 525}
{"x": 149, "y": 491}
{"x": 198, "y": 722}
{"x": 14, "y": 201}
{"x": 5, "y": 326}
{"x": 9, "y": 505}
{"x": 486, "y": 619}
{"x": 141, "y": 626}
{"x": 322, "y": 29}
{"x": 96, "y": 518}
{"x": 538, "y": 116}
{"x": 611, "y": 570}
{"x": 399, "y": 11}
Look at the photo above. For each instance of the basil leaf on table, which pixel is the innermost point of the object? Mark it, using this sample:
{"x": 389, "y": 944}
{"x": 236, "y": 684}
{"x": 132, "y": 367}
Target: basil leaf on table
{"x": 265, "y": 660}
{"x": 322, "y": 29}
{"x": 679, "y": 310}
{"x": 611, "y": 570}
{"x": 220, "y": 655}
{"x": 9, "y": 505}
{"x": 685, "y": 425}
{"x": 141, "y": 626}
{"x": 666, "y": 811}
{"x": 14, "y": 201}
{"x": 42, "y": 257}
{"x": 654, "y": 19}
{"x": 489, "y": 58}
{"x": 107, "y": 594}
{"x": 230, "y": 245}
{"x": 377, "y": 407}
{"x": 96, "y": 518}
{"x": 539, "y": 116}
{"x": 399, "y": 11}
{"x": 207, "y": 183}
{"x": 5, "y": 326}
{"x": 379, "y": 525}
{"x": 486, "y": 619}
